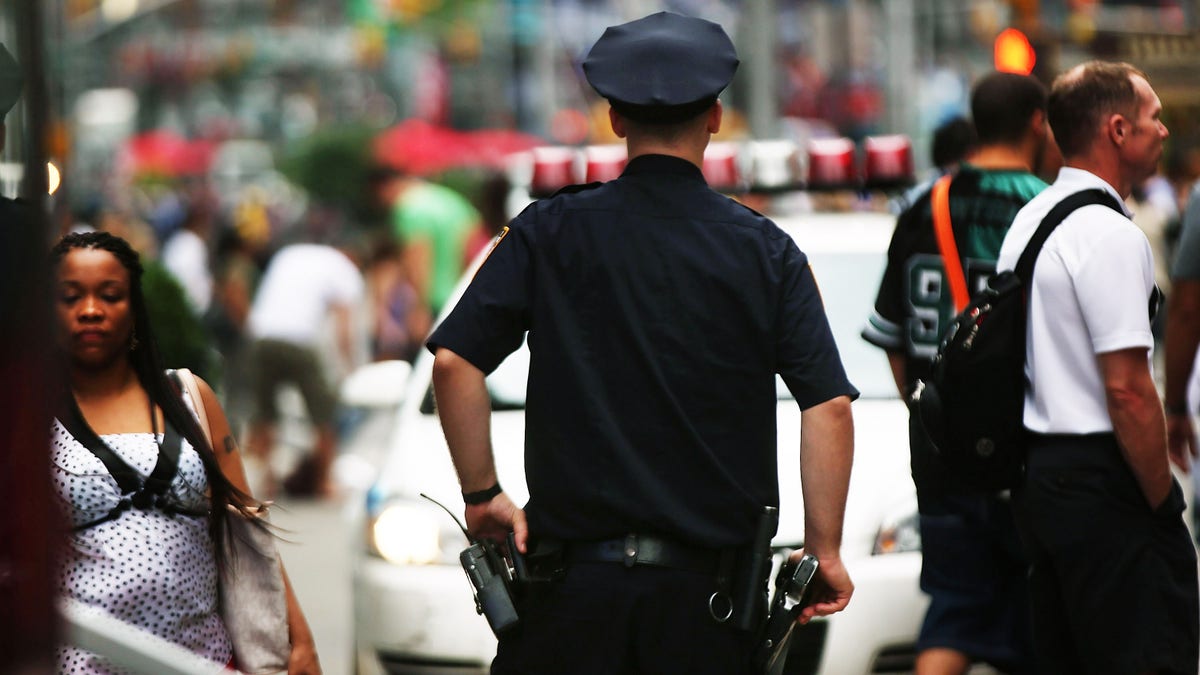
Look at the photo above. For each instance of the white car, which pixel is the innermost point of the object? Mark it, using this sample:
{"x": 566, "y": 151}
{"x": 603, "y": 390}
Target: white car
{"x": 413, "y": 608}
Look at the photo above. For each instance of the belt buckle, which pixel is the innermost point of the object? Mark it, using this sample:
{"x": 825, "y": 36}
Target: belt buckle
{"x": 630, "y": 551}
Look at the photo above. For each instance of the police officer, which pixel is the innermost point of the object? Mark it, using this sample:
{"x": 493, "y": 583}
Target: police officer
{"x": 658, "y": 313}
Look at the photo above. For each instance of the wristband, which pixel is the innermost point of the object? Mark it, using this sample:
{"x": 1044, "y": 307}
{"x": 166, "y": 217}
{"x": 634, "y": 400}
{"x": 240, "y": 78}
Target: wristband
{"x": 1176, "y": 409}
{"x": 481, "y": 496}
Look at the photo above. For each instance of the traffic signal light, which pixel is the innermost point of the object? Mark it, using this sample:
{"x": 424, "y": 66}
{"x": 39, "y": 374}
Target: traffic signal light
{"x": 1013, "y": 53}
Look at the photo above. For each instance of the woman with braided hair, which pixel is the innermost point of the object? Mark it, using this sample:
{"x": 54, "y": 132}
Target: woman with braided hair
{"x": 146, "y": 495}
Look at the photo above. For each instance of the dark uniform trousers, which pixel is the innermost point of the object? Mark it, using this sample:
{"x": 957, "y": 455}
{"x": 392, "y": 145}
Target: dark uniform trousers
{"x": 1113, "y": 582}
{"x": 604, "y": 618}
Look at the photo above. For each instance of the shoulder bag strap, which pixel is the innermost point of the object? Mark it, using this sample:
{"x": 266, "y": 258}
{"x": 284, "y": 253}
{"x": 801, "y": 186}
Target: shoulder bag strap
{"x": 187, "y": 382}
{"x": 939, "y": 203}
{"x": 1024, "y": 267}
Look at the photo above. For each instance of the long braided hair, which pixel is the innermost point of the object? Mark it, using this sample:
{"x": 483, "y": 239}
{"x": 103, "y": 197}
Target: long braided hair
{"x": 147, "y": 365}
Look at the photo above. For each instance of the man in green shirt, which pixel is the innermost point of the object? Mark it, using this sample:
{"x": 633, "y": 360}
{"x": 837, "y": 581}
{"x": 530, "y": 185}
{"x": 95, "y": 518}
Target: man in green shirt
{"x": 433, "y": 224}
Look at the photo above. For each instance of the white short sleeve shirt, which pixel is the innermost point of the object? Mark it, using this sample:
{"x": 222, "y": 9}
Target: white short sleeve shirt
{"x": 1092, "y": 286}
{"x": 300, "y": 285}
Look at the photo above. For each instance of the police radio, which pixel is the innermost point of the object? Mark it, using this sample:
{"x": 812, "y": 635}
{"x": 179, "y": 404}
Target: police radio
{"x": 490, "y": 576}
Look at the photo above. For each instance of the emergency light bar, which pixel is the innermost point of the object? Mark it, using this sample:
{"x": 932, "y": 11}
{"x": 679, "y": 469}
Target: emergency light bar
{"x": 763, "y": 167}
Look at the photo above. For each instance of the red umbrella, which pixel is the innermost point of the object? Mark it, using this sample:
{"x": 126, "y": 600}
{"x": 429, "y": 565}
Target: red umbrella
{"x": 494, "y": 145}
{"x": 166, "y": 153}
{"x": 421, "y": 148}
{"x": 418, "y": 147}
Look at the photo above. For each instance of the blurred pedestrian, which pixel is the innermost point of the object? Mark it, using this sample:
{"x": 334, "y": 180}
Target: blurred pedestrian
{"x": 1183, "y": 338}
{"x": 493, "y": 211}
{"x": 399, "y": 318}
{"x": 658, "y": 314}
{"x": 953, "y": 141}
{"x": 432, "y": 224}
{"x": 125, "y": 437}
{"x": 303, "y": 288}
{"x": 972, "y": 566}
{"x": 186, "y": 254}
{"x": 1099, "y": 512}
{"x": 235, "y": 280}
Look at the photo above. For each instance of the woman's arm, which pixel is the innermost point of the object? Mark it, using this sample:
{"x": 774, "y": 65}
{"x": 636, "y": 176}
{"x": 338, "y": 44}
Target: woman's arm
{"x": 303, "y": 659}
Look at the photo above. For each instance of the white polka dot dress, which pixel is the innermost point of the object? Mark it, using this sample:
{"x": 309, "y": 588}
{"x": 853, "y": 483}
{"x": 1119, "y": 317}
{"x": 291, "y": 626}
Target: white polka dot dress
{"x": 147, "y": 567}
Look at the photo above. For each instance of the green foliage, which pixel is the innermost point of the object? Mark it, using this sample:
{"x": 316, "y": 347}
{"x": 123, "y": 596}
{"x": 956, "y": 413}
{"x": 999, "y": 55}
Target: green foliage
{"x": 182, "y": 339}
{"x": 332, "y": 165}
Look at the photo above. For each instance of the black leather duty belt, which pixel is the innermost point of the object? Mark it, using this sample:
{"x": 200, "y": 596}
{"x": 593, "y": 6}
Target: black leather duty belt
{"x": 641, "y": 549}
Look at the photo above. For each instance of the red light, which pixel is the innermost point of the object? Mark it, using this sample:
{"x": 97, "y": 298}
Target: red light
{"x": 605, "y": 162}
{"x": 720, "y": 167}
{"x": 888, "y": 160}
{"x": 1013, "y": 53}
{"x": 831, "y": 163}
{"x": 553, "y": 168}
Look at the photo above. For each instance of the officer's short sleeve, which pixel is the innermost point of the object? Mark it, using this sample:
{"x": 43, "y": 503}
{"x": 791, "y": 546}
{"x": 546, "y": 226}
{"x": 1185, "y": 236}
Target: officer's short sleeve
{"x": 806, "y": 355}
{"x": 491, "y": 319}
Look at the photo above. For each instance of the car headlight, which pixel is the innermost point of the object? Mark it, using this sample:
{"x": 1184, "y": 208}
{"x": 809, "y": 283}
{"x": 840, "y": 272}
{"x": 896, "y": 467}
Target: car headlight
{"x": 410, "y": 532}
{"x": 898, "y": 536}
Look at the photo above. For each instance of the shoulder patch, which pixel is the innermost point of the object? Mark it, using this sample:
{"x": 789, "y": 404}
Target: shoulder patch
{"x": 579, "y": 187}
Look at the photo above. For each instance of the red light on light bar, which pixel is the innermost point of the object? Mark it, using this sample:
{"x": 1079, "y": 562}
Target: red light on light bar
{"x": 553, "y": 169}
{"x": 888, "y": 161}
{"x": 720, "y": 167}
{"x": 831, "y": 163}
{"x": 604, "y": 162}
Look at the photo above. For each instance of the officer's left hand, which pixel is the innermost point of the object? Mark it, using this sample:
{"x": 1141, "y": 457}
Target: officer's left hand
{"x": 833, "y": 589}
{"x": 495, "y": 518}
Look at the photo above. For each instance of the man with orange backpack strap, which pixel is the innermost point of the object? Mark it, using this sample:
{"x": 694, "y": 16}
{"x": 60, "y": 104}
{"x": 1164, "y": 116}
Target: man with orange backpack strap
{"x": 972, "y": 568}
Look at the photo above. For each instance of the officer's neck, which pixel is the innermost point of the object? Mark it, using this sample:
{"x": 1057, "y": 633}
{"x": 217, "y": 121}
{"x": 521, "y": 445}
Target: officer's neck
{"x": 691, "y": 151}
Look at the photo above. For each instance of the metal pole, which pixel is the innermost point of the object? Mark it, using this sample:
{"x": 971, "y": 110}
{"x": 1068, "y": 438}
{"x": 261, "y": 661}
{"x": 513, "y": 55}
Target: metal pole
{"x": 31, "y": 55}
{"x": 759, "y": 38}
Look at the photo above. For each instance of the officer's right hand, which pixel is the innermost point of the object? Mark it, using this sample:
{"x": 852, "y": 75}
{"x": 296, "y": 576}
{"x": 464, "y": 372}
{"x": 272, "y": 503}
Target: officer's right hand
{"x": 832, "y": 592}
{"x": 495, "y": 518}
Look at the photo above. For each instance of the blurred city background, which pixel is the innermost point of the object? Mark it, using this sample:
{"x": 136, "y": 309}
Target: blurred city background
{"x": 214, "y": 133}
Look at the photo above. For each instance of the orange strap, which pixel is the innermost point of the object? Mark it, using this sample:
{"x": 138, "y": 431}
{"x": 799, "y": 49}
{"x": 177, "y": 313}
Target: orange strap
{"x": 940, "y": 203}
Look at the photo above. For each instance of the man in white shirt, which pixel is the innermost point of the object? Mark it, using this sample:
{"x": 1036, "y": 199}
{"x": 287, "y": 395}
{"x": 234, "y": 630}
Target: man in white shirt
{"x": 1113, "y": 570}
{"x": 303, "y": 286}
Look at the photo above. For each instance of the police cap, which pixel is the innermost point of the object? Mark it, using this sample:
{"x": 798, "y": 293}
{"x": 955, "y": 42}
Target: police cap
{"x": 10, "y": 82}
{"x": 661, "y": 68}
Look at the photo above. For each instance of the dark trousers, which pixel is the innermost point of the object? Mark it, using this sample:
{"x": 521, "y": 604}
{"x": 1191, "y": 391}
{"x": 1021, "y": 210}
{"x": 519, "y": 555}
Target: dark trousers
{"x": 1113, "y": 583}
{"x": 608, "y": 619}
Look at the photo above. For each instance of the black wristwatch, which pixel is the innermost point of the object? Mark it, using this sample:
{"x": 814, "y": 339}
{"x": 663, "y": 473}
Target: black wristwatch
{"x": 482, "y": 496}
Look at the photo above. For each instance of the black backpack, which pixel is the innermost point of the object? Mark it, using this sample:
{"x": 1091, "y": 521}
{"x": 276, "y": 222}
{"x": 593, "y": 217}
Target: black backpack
{"x": 972, "y": 406}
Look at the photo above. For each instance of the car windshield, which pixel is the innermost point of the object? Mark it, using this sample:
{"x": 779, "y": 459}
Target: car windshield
{"x": 848, "y": 282}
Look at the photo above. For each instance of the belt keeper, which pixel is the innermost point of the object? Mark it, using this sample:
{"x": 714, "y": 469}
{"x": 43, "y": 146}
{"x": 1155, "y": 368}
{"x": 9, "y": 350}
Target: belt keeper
{"x": 631, "y": 550}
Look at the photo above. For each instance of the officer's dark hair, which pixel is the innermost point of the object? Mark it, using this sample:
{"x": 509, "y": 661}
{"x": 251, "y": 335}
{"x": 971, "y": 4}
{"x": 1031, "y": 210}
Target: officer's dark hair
{"x": 1003, "y": 103}
{"x": 147, "y": 365}
{"x": 953, "y": 140}
{"x": 668, "y": 131}
{"x": 1084, "y": 96}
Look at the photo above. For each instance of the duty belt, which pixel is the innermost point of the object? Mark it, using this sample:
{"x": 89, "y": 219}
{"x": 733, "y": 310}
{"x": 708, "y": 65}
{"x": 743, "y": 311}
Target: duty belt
{"x": 642, "y": 549}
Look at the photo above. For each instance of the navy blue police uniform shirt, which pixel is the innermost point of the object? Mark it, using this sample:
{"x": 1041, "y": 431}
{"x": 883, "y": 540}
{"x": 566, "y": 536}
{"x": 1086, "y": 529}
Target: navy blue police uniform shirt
{"x": 658, "y": 312}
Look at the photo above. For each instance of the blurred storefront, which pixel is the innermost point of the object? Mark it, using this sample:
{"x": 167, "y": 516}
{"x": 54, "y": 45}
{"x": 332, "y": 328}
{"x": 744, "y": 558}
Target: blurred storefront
{"x": 279, "y": 72}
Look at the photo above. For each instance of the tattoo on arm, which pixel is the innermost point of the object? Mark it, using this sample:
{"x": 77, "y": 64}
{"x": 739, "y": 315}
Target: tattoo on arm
{"x": 230, "y": 444}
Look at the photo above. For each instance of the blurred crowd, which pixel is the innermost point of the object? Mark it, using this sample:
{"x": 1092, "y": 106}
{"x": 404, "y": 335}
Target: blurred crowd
{"x": 226, "y": 275}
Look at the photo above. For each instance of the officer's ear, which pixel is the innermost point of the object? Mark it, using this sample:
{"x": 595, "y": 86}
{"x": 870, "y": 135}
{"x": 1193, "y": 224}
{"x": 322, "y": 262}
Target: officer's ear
{"x": 715, "y": 114}
{"x": 617, "y": 122}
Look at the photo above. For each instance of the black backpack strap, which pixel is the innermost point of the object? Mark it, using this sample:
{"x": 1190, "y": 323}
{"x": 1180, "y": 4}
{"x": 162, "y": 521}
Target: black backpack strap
{"x": 166, "y": 466}
{"x": 127, "y": 479}
{"x": 135, "y": 492}
{"x": 1024, "y": 268}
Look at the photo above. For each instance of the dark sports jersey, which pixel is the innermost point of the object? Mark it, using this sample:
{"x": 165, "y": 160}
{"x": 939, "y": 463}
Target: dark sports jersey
{"x": 658, "y": 314}
{"x": 914, "y": 305}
